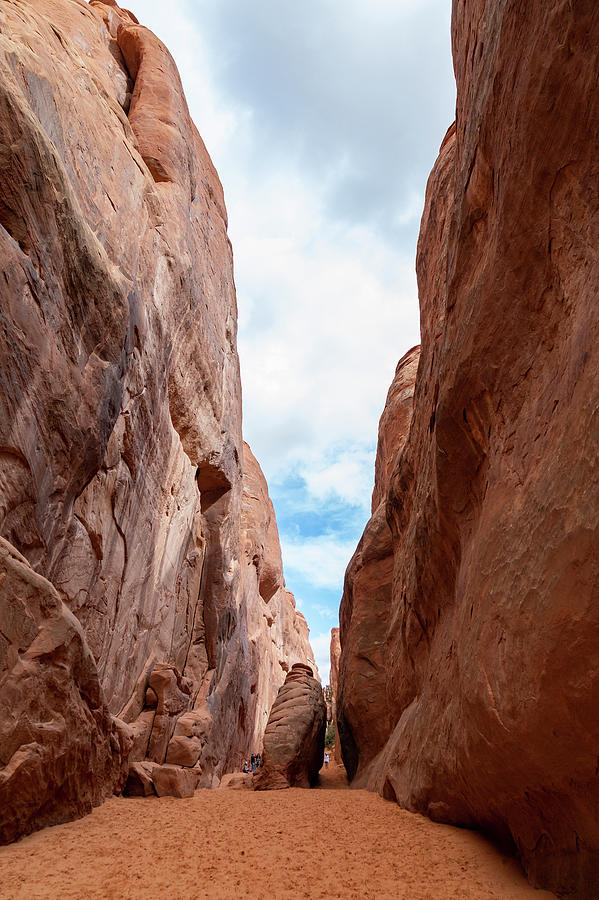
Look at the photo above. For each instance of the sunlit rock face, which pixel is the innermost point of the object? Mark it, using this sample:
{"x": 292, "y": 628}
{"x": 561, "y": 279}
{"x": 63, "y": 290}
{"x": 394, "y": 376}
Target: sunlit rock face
{"x": 335, "y": 654}
{"x": 174, "y": 733}
{"x": 491, "y": 637}
{"x": 120, "y": 396}
{"x": 121, "y": 473}
{"x": 277, "y": 632}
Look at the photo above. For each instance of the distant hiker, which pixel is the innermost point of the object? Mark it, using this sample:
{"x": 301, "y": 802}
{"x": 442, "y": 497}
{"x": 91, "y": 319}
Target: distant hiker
{"x": 326, "y": 759}
{"x": 245, "y": 766}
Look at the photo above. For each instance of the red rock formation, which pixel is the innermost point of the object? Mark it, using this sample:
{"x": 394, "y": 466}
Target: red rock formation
{"x": 174, "y": 729}
{"x": 394, "y": 424}
{"x": 237, "y": 781}
{"x": 335, "y": 654}
{"x": 120, "y": 412}
{"x": 60, "y": 749}
{"x": 293, "y": 751}
{"x": 174, "y": 781}
{"x": 120, "y": 397}
{"x": 490, "y": 644}
{"x": 368, "y": 596}
{"x": 278, "y": 633}
{"x": 139, "y": 779}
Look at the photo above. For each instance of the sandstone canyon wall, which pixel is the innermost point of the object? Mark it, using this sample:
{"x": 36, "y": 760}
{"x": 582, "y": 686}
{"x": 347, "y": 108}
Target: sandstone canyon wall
{"x": 473, "y": 698}
{"x": 335, "y": 654}
{"x": 174, "y": 733}
{"x": 121, "y": 455}
{"x": 277, "y": 632}
{"x": 60, "y": 750}
{"x": 368, "y": 597}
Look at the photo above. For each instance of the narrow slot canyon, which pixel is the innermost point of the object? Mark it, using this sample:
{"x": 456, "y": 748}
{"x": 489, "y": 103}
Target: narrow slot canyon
{"x": 265, "y": 630}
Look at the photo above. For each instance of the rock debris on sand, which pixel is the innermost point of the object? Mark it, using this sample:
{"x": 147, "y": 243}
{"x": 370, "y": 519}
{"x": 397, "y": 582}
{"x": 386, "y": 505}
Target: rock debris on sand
{"x": 283, "y": 844}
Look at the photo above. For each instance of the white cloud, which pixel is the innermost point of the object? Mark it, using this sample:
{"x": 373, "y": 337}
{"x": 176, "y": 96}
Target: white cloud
{"x": 328, "y": 83}
{"x": 323, "y": 611}
{"x": 321, "y": 561}
{"x": 320, "y": 345}
{"x": 321, "y": 645}
{"x": 346, "y": 474}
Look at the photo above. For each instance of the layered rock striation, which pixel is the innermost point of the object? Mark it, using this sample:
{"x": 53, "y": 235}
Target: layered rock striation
{"x": 293, "y": 751}
{"x": 484, "y": 714}
{"x": 121, "y": 457}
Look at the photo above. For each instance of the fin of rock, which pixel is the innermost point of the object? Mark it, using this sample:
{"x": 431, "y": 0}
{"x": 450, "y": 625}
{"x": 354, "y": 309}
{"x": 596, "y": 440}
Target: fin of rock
{"x": 121, "y": 458}
{"x": 470, "y": 615}
{"x": 335, "y": 654}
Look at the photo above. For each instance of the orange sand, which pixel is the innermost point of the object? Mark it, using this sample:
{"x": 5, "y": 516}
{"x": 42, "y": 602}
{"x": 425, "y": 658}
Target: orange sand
{"x": 279, "y": 844}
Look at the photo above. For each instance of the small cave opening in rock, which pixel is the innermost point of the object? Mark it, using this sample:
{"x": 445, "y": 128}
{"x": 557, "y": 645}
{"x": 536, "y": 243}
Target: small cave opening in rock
{"x": 389, "y": 791}
{"x": 212, "y": 484}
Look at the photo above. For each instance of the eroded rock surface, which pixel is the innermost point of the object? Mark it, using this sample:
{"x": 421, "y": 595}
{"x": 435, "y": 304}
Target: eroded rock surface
{"x": 367, "y": 602}
{"x": 293, "y": 751}
{"x": 335, "y": 655}
{"x": 491, "y": 640}
{"x": 174, "y": 781}
{"x": 237, "y": 781}
{"x": 120, "y": 414}
{"x": 278, "y": 633}
{"x": 139, "y": 779}
{"x": 61, "y": 752}
{"x": 120, "y": 402}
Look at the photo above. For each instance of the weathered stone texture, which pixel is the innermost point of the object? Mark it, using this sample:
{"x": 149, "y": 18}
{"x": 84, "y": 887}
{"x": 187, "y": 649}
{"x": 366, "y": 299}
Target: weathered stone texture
{"x": 61, "y": 752}
{"x": 335, "y": 655}
{"x": 174, "y": 781}
{"x": 491, "y": 640}
{"x": 293, "y": 751}
{"x": 394, "y": 424}
{"x": 120, "y": 407}
{"x": 237, "y": 781}
{"x": 139, "y": 780}
{"x": 367, "y": 601}
{"x": 278, "y": 634}
{"x": 120, "y": 399}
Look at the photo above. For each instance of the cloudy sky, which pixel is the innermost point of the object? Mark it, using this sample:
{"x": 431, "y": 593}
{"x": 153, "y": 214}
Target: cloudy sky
{"x": 323, "y": 119}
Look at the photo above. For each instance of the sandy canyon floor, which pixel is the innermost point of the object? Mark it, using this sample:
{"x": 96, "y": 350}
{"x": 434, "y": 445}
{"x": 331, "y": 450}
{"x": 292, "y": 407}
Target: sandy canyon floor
{"x": 325, "y": 843}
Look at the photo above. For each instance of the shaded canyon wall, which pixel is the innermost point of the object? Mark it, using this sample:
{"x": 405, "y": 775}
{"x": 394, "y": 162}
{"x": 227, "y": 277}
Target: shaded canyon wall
{"x": 334, "y": 655}
{"x": 473, "y": 697}
{"x": 367, "y": 601}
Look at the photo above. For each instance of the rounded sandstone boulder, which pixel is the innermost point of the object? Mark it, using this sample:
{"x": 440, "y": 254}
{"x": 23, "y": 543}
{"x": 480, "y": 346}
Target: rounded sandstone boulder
{"x": 294, "y": 738}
